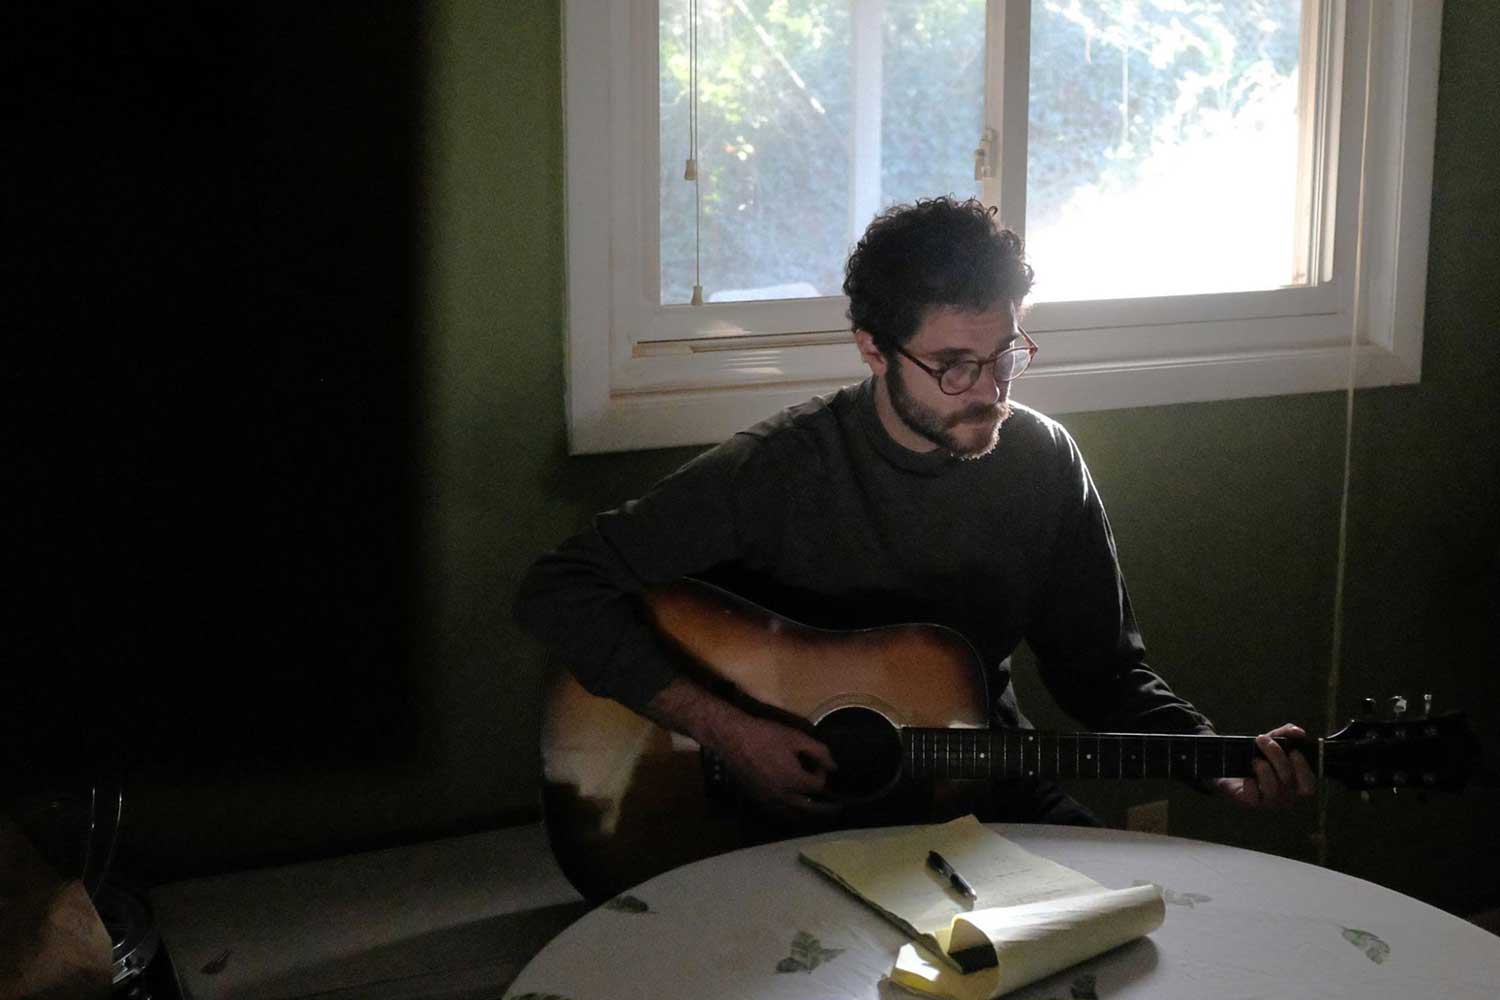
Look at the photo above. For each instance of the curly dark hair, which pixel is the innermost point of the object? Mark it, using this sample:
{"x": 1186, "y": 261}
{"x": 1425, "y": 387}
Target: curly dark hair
{"x": 936, "y": 252}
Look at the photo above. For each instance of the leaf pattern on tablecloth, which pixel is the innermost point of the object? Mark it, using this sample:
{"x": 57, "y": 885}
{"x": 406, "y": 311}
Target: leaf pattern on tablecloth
{"x": 627, "y": 903}
{"x": 1175, "y": 898}
{"x": 1375, "y": 949}
{"x": 807, "y": 954}
{"x": 1082, "y": 988}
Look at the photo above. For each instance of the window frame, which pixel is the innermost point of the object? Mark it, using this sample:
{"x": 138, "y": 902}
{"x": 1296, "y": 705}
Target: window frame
{"x": 643, "y": 375}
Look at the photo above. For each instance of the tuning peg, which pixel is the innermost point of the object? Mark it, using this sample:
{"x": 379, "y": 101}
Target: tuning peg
{"x": 1398, "y": 706}
{"x": 1367, "y": 708}
{"x": 1426, "y": 706}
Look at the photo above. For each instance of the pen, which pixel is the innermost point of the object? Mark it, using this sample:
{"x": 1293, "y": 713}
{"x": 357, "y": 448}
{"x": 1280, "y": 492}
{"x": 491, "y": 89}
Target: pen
{"x": 939, "y": 864}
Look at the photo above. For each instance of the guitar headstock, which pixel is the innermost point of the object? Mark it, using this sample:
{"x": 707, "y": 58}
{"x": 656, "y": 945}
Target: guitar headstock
{"x": 1420, "y": 752}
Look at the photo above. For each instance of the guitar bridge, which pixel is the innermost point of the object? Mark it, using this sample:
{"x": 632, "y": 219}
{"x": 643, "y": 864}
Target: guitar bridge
{"x": 715, "y": 774}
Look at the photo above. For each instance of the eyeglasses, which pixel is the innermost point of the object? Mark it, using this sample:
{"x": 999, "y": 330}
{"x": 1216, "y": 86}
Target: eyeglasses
{"x": 960, "y": 376}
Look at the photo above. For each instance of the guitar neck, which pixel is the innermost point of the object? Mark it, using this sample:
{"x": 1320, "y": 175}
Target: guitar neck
{"x": 1014, "y": 753}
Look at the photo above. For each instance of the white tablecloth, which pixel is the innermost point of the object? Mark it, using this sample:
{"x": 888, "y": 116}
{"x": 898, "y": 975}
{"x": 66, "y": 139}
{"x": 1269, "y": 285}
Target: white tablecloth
{"x": 760, "y": 924}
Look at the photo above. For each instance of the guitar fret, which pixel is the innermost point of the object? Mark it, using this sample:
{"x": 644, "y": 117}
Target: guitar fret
{"x": 968, "y": 753}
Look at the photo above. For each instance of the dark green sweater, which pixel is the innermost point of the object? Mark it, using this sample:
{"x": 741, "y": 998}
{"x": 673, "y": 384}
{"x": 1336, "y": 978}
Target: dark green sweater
{"x": 820, "y": 516}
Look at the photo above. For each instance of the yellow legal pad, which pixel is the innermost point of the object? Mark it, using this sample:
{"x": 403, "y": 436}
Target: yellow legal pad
{"x": 1033, "y": 917}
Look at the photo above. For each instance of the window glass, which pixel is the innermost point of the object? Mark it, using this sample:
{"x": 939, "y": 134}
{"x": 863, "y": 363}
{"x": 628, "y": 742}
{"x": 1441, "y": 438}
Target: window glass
{"x": 794, "y": 159}
{"x": 1163, "y": 146}
{"x": 932, "y": 107}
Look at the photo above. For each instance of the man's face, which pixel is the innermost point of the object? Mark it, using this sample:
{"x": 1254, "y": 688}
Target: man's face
{"x": 967, "y": 425}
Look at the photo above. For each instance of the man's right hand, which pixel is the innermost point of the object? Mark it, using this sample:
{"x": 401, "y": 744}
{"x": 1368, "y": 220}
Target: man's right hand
{"x": 778, "y": 765}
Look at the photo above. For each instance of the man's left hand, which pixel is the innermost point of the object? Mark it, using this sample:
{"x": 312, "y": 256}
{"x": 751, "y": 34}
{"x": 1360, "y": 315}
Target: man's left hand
{"x": 1279, "y": 778}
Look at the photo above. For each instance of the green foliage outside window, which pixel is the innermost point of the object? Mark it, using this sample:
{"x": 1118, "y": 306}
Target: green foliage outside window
{"x": 1111, "y": 80}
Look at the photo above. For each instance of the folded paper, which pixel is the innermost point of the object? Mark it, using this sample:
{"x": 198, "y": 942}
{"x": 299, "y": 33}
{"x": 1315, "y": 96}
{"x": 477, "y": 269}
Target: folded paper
{"x": 1032, "y": 917}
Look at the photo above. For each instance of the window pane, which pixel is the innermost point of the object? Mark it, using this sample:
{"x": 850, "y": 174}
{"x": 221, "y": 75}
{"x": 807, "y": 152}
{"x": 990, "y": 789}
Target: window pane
{"x": 1163, "y": 146}
{"x": 932, "y": 107}
{"x": 793, "y": 158}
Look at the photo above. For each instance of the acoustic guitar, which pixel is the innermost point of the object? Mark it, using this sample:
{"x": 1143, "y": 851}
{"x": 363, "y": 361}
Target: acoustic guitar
{"x": 904, "y": 710}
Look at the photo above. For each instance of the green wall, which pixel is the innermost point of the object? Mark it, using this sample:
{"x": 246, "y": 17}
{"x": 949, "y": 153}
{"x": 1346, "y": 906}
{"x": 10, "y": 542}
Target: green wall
{"x": 1226, "y": 514}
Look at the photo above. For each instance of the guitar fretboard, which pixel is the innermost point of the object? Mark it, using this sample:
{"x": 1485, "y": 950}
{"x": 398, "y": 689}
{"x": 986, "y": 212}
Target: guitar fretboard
{"x": 1014, "y": 753}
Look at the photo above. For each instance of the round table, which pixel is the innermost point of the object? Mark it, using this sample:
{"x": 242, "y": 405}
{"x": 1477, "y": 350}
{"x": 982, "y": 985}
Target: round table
{"x": 758, "y": 923}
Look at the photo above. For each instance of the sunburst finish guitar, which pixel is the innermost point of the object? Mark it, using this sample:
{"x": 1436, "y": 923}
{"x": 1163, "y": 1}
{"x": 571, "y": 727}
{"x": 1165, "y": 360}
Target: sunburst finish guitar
{"x": 904, "y": 709}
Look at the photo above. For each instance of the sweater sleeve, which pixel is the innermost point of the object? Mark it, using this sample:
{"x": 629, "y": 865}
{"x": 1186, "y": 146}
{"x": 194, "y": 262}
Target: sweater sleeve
{"x": 582, "y": 600}
{"x": 1089, "y": 649}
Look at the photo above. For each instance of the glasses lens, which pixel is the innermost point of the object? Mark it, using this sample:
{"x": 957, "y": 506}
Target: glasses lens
{"x": 1011, "y": 364}
{"x": 959, "y": 377}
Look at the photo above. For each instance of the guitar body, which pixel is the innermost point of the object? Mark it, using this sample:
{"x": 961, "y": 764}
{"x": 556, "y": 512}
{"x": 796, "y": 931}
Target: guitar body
{"x": 625, "y": 799}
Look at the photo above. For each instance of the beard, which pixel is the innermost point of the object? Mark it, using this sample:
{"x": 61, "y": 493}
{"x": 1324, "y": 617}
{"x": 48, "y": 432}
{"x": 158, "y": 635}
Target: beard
{"x": 969, "y": 433}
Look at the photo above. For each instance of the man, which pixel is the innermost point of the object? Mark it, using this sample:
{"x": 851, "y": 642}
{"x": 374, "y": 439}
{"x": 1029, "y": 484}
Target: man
{"x": 920, "y": 494}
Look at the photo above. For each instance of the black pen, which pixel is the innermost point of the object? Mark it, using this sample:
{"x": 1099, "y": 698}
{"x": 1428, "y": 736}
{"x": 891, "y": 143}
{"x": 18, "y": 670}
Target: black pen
{"x": 939, "y": 864}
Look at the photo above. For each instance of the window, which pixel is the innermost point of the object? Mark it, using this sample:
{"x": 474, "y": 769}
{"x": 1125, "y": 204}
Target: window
{"x": 1218, "y": 197}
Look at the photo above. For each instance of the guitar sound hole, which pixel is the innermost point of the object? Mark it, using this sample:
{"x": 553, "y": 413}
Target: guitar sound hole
{"x": 867, "y": 749}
